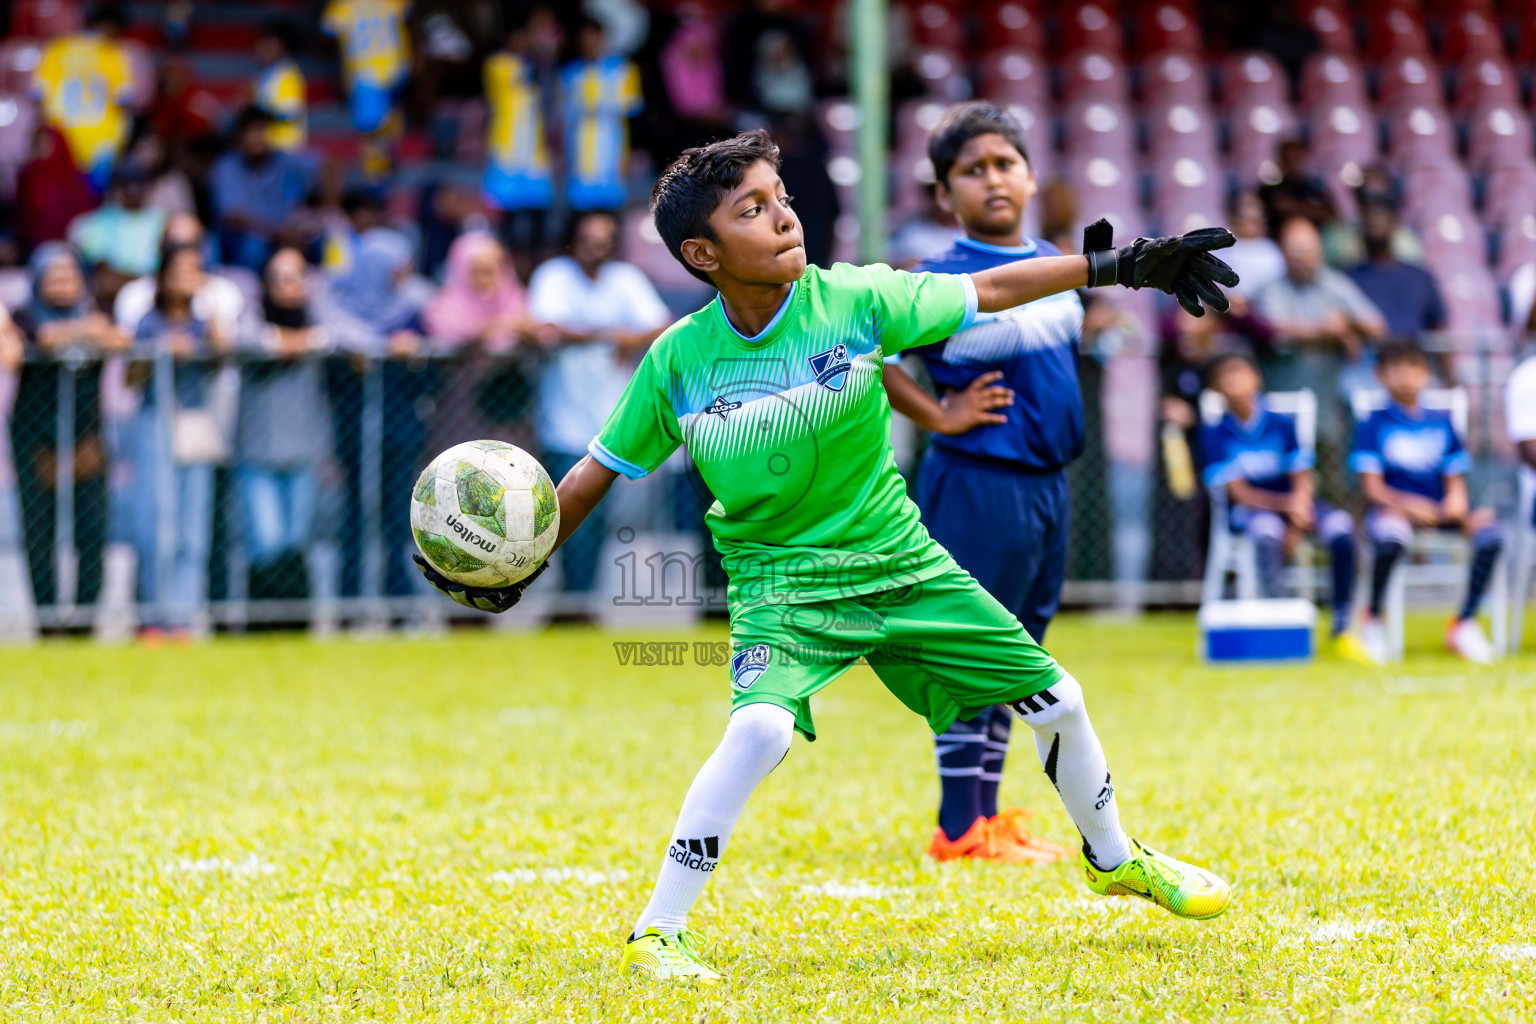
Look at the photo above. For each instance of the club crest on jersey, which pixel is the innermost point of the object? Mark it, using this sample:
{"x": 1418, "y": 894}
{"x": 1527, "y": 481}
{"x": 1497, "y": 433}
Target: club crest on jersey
{"x": 831, "y": 367}
{"x": 720, "y": 406}
{"x": 747, "y": 665}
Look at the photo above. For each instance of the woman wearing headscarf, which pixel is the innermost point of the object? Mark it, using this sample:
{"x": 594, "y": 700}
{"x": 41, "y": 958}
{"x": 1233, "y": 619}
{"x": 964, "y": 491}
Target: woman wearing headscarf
{"x": 480, "y": 316}
{"x": 178, "y": 437}
{"x": 374, "y": 310}
{"x": 284, "y": 433}
{"x": 63, "y": 335}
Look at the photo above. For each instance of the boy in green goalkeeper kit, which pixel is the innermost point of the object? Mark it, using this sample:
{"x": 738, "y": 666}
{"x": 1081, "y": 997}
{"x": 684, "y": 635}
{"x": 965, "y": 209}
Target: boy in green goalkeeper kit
{"x": 775, "y": 387}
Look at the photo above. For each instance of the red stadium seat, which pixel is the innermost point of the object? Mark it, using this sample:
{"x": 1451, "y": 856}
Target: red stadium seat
{"x": 839, "y": 120}
{"x": 914, "y": 120}
{"x": 1168, "y": 26}
{"x": 1436, "y": 186}
{"x": 1331, "y": 79}
{"x": 1015, "y": 76}
{"x": 1254, "y": 134}
{"x": 1486, "y": 82}
{"x": 1396, "y": 31}
{"x": 1411, "y": 80}
{"x": 1253, "y": 77}
{"x": 1497, "y": 136}
{"x": 1517, "y": 243}
{"x": 1037, "y": 139}
{"x": 1182, "y": 129}
{"x": 1187, "y": 193}
{"x": 1509, "y": 192}
{"x": 1010, "y": 24}
{"x": 1472, "y": 310}
{"x": 1422, "y": 135}
{"x": 1098, "y": 129}
{"x": 1344, "y": 134}
{"x": 1174, "y": 77}
{"x": 44, "y": 19}
{"x": 1094, "y": 75}
{"x": 1092, "y": 25}
{"x": 938, "y": 26}
{"x": 18, "y": 60}
{"x": 1470, "y": 34}
{"x": 942, "y": 72}
{"x": 1330, "y": 21}
{"x": 1453, "y": 238}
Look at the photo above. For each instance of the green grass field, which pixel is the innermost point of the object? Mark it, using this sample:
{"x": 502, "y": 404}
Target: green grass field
{"x": 464, "y": 829}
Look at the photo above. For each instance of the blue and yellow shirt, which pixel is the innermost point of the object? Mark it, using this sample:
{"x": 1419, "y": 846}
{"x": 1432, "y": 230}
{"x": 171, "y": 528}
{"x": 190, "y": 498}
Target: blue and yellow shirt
{"x": 83, "y": 82}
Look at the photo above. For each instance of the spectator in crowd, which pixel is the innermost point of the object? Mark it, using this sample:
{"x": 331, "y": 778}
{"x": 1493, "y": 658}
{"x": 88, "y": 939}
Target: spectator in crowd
{"x": 1298, "y": 193}
{"x": 363, "y": 208}
{"x": 769, "y": 57}
{"x": 120, "y": 240}
{"x": 279, "y": 90}
{"x": 375, "y": 311}
{"x": 605, "y": 313}
{"x": 254, "y": 191}
{"x": 627, "y": 23}
{"x": 284, "y": 433}
{"x": 1254, "y": 462}
{"x": 480, "y": 315}
{"x": 1406, "y": 295}
{"x": 445, "y": 63}
{"x": 1343, "y": 244}
{"x": 59, "y": 322}
{"x": 517, "y": 175}
{"x": 1520, "y": 413}
{"x": 600, "y": 91}
{"x": 170, "y": 189}
{"x": 177, "y": 439}
{"x": 375, "y": 60}
{"x": 1255, "y": 256}
{"x": 84, "y": 82}
{"x": 1413, "y": 470}
{"x": 50, "y": 192}
{"x": 1321, "y": 323}
{"x": 218, "y": 301}
{"x": 692, "y": 72}
{"x": 184, "y": 113}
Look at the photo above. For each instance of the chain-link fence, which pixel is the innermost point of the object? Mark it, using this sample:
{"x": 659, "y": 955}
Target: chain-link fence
{"x": 285, "y": 496}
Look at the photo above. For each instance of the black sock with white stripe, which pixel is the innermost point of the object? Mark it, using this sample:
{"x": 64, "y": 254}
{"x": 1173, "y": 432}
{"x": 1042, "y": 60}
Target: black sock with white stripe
{"x": 993, "y": 753}
{"x": 959, "y": 751}
{"x": 1074, "y": 761}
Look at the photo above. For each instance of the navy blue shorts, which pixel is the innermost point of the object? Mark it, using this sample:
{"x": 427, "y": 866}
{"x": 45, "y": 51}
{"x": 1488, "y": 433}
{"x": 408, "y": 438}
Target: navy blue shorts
{"x": 1005, "y": 526}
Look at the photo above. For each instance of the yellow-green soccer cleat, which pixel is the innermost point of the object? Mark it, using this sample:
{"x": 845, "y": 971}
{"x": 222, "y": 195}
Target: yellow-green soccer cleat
{"x": 659, "y": 955}
{"x": 1178, "y": 888}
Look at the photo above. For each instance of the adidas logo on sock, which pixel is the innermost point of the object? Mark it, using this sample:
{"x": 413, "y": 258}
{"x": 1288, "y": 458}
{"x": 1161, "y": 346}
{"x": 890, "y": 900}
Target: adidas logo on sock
{"x": 699, "y": 854}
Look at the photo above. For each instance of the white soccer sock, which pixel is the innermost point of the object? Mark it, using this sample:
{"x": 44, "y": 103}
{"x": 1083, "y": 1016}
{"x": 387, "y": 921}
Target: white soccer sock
{"x": 754, "y": 743}
{"x": 1073, "y": 759}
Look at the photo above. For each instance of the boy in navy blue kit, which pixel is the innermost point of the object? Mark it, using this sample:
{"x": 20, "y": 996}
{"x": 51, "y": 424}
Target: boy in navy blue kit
{"x": 1255, "y": 458}
{"x": 1413, "y": 470}
{"x": 993, "y": 486}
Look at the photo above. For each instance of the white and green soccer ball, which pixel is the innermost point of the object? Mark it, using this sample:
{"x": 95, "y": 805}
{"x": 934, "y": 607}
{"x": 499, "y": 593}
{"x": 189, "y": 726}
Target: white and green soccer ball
{"x": 484, "y": 514}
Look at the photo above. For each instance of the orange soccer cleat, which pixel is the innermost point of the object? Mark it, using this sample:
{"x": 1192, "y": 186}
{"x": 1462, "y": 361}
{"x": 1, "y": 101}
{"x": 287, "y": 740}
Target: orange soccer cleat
{"x": 1009, "y": 824}
{"x": 980, "y": 842}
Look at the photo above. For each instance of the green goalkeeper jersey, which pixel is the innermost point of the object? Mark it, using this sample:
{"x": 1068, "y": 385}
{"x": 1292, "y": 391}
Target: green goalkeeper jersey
{"x": 790, "y": 430}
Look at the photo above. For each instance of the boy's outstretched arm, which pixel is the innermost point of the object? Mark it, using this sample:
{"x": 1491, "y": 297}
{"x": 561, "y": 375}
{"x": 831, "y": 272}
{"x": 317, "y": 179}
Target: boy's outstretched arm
{"x": 578, "y": 494}
{"x": 1180, "y": 265}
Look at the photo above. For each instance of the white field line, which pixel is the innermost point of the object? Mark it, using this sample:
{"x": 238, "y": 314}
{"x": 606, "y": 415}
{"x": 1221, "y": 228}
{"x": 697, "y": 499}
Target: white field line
{"x": 558, "y": 877}
{"x": 247, "y": 868}
{"x": 855, "y": 891}
{"x": 1514, "y": 951}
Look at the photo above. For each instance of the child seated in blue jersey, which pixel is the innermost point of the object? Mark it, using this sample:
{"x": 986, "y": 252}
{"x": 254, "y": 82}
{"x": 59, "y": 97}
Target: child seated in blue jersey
{"x": 1413, "y": 470}
{"x": 1253, "y": 459}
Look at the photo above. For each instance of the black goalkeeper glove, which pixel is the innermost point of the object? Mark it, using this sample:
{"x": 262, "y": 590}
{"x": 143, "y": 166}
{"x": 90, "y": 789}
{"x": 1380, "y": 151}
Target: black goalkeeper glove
{"x": 481, "y": 599}
{"x": 1180, "y": 265}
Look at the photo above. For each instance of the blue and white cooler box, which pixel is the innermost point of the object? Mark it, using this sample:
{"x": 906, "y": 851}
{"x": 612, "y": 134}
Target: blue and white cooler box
{"x": 1266, "y": 630}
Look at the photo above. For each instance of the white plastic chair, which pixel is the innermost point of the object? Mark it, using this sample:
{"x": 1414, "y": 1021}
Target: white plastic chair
{"x": 1437, "y": 559}
{"x": 1234, "y": 554}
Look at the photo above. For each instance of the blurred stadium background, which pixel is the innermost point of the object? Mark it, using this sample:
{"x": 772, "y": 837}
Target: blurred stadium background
{"x": 1161, "y": 116}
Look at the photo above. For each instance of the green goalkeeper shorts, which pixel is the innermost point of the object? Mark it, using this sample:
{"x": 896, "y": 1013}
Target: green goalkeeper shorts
{"x": 945, "y": 647}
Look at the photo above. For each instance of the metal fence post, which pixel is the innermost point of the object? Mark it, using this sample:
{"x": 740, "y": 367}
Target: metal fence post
{"x": 66, "y": 555}
{"x": 161, "y": 453}
{"x": 370, "y": 492}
